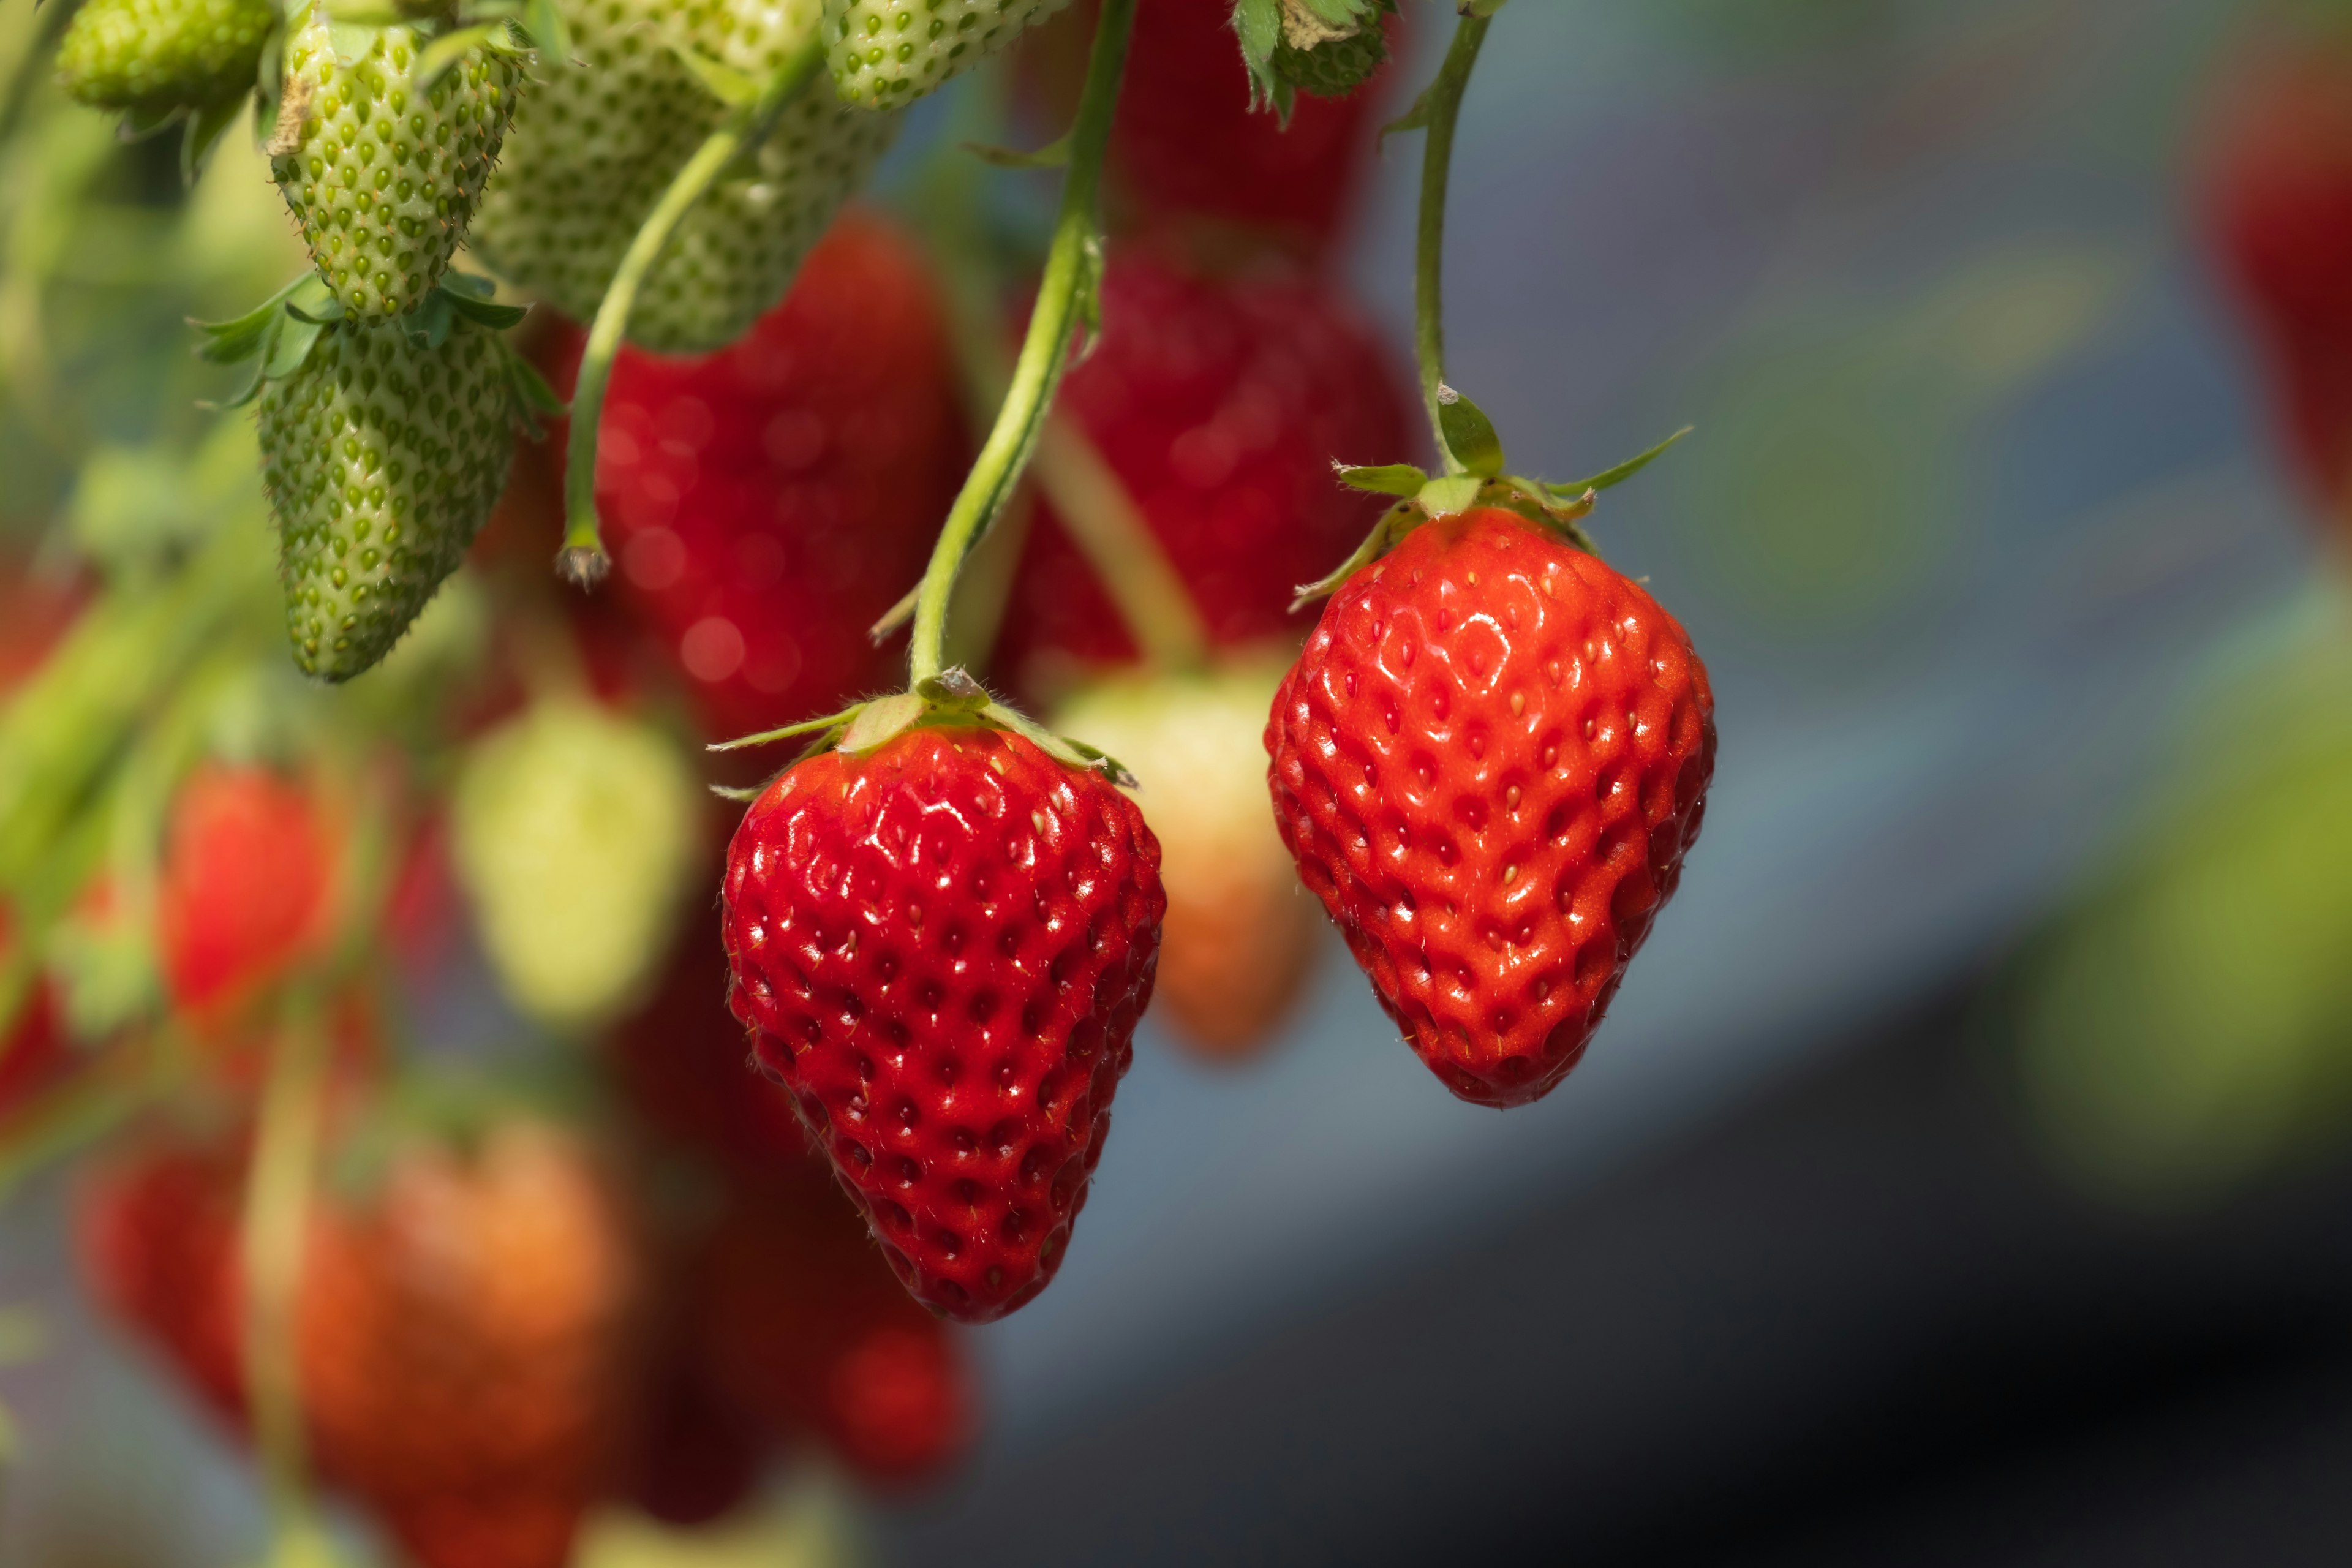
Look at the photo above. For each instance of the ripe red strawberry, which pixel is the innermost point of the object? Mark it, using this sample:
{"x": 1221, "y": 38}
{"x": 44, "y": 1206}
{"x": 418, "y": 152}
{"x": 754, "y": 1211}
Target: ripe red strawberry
{"x": 805, "y": 1327}
{"x": 2278, "y": 198}
{"x": 945, "y": 944}
{"x": 1488, "y": 763}
{"x": 767, "y": 504}
{"x": 1221, "y": 404}
{"x": 245, "y": 879}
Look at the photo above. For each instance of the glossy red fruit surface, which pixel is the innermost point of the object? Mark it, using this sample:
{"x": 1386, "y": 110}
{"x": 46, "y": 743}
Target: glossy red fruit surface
{"x": 766, "y": 504}
{"x": 805, "y": 1325}
{"x": 1488, "y": 763}
{"x": 2278, "y": 199}
{"x": 245, "y": 885}
{"x": 1221, "y": 404}
{"x": 1188, "y": 145}
{"x": 945, "y": 945}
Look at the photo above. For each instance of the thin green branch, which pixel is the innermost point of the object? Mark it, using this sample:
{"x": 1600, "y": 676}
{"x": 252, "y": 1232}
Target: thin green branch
{"x": 582, "y": 560}
{"x": 1111, "y": 533}
{"x": 1073, "y": 271}
{"x": 1439, "y": 109}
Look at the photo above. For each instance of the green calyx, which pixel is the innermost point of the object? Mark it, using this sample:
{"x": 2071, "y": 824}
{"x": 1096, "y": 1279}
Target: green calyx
{"x": 1473, "y": 449}
{"x": 950, "y": 699}
{"x": 1326, "y": 48}
{"x": 277, "y": 336}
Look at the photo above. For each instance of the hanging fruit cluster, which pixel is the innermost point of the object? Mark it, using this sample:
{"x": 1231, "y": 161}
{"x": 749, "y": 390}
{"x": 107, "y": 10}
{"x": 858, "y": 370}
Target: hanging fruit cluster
{"x": 582, "y": 282}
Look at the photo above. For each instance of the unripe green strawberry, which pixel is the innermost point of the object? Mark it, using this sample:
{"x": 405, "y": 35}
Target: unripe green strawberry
{"x": 1328, "y": 62}
{"x": 885, "y": 54}
{"x": 382, "y": 172}
{"x": 1327, "y": 48}
{"x": 157, "y": 56}
{"x": 383, "y": 457}
{"x": 574, "y": 831}
{"x": 597, "y": 142}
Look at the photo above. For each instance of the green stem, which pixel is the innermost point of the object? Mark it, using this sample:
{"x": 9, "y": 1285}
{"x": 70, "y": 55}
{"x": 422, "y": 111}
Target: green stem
{"x": 582, "y": 560}
{"x": 276, "y": 1217}
{"x": 1441, "y": 107}
{"x": 1110, "y": 530}
{"x": 1073, "y": 270}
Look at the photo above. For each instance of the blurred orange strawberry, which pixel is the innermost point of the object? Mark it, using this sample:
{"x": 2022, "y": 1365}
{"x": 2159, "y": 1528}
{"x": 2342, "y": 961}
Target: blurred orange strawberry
{"x": 466, "y": 1330}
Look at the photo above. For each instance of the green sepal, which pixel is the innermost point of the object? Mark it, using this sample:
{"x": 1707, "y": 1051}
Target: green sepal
{"x": 1061, "y": 748}
{"x": 351, "y": 40}
{"x": 1451, "y": 494}
{"x": 1401, "y": 479}
{"x": 1469, "y": 433}
{"x": 204, "y": 131}
{"x": 278, "y": 335}
{"x": 882, "y": 720}
{"x": 1623, "y": 471}
{"x": 1054, "y": 154}
{"x": 438, "y": 58}
{"x": 1394, "y": 525}
{"x": 895, "y": 618}
{"x": 534, "y": 401}
{"x": 1259, "y": 25}
{"x": 731, "y": 87}
{"x": 789, "y": 731}
{"x": 141, "y": 125}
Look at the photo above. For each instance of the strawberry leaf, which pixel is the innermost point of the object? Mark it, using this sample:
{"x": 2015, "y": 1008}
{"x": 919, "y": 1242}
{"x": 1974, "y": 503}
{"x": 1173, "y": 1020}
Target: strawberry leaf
{"x": 1400, "y": 480}
{"x": 1469, "y": 434}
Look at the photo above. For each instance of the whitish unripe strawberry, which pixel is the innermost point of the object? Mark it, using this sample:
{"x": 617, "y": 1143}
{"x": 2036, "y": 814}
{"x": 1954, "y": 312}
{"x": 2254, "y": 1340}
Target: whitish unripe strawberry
{"x": 383, "y": 457}
{"x": 574, "y": 832}
{"x": 156, "y": 56}
{"x": 599, "y": 139}
{"x": 1240, "y": 935}
{"x": 885, "y": 54}
{"x": 383, "y": 171}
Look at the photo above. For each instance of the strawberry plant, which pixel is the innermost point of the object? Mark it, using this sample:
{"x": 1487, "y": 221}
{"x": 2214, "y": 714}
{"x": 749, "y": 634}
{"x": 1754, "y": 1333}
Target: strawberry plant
{"x": 678, "y": 1139}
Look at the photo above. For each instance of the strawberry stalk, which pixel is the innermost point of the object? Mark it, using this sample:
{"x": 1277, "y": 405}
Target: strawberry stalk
{"x": 1066, "y": 301}
{"x": 277, "y": 1215}
{"x": 582, "y": 561}
{"x": 1101, "y": 517}
{"x": 1436, "y": 113}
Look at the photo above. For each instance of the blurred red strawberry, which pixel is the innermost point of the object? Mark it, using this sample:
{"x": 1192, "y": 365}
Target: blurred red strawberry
{"x": 156, "y": 1233}
{"x": 1187, "y": 150}
{"x": 1221, "y": 403}
{"x": 2277, "y": 191}
{"x": 766, "y": 504}
{"x": 34, "y": 1052}
{"x": 807, "y": 1328}
{"x": 685, "y": 1064}
{"x": 248, "y": 866}
{"x": 697, "y": 1456}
